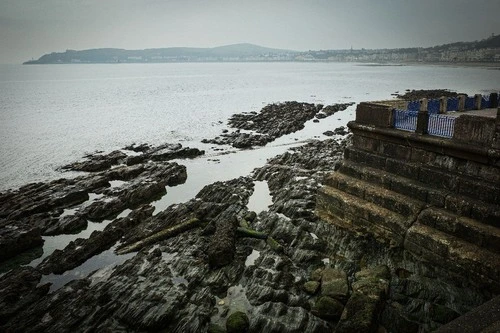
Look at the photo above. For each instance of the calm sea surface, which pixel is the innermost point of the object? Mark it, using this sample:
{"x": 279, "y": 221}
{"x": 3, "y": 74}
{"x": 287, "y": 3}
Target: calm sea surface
{"x": 51, "y": 115}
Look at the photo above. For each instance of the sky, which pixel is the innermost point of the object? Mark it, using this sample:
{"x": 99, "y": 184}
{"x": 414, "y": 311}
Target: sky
{"x": 31, "y": 28}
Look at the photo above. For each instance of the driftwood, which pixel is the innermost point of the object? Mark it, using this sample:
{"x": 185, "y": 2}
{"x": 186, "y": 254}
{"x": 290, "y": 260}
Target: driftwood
{"x": 163, "y": 234}
{"x": 246, "y": 232}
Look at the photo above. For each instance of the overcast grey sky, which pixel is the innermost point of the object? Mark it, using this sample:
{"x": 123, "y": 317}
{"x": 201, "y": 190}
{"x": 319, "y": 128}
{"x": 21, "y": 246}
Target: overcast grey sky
{"x": 31, "y": 28}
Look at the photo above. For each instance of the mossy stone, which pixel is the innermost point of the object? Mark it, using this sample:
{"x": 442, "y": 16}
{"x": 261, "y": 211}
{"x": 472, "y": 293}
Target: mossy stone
{"x": 316, "y": 274}
{"x": 328, "y": 308}
{"x": 237, "y": 322}
{"x": 311, "y": 287}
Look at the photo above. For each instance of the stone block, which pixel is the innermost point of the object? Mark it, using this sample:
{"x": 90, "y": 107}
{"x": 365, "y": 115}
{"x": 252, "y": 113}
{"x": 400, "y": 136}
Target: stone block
{"x": 438, "y": 179}
{"x": 402, "y": 168}
{"x": 378, "y": 115}
{"x": 422, "y": 156}
{"x": 458, "y": 204}
{"x": 395, "y": 151}
{"x": 479, "y": 190}
{"x": 407, "y": 187}
{"x": 474, "y": 130}
{"x": 365, "y": 143}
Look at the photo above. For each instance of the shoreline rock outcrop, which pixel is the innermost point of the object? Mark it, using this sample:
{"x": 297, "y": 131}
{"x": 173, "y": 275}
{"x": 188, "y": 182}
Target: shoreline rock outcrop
{"x": 272, "y": 122}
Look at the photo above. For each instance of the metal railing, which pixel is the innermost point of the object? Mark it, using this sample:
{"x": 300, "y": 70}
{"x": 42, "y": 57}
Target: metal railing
{"x": 452, "y": 104}
{"x": 440, "y": 125}
{"x": 405, "y": 120}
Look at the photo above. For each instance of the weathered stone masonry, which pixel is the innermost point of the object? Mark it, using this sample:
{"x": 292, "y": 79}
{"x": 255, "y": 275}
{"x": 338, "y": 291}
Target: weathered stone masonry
{"x": 436, "y": 199}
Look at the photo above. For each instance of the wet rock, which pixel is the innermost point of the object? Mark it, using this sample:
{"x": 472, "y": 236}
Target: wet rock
{"x": 125, "y": 172}
{"x": 328, "y": 308}
{"x": 101, "y": 210}
{"x": 272, "y": 122}
{"x": 415, "y": 95}
{"x": 277, "y": 317}
{"x": 78, "y": 251}
{"x": 67, "y": 225}
{"x": 97, "y": 162}
{"x": 237, "y": 322}
{"x": 342, "y": 130}
{"x": 367, "y": 301}
{"x": 147, "y": 192}
{"x": 334, "y": 284}
{"x": 138, "y": 148}
{"x": 328, "y": 133}
{"x": 169, "y": 153}
{"x": 16, "y": 239}
{"x": 18, "y": 290}
{"x": 360, "y": 315}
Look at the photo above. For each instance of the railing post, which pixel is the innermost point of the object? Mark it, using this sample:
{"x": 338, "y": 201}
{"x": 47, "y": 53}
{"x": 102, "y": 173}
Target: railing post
{"x": 422, "y": 118}
{"x": 477, "y": 101}
{"x": 443, "y": 104}
{"x": 461, "y": 102}
{"x": 493, "y": 100}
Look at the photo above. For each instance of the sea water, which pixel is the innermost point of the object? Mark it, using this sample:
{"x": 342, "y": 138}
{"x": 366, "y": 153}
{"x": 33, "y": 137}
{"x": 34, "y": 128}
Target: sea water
{"x": 51, "y": 115}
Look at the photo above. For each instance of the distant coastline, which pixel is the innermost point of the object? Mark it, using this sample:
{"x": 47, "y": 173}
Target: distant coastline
{"x": 485, "y": 53}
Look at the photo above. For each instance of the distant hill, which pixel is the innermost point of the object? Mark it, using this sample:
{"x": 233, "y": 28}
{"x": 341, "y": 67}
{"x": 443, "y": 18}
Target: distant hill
{"x": 485, "y": 51}
{"x": 235, "y": 52}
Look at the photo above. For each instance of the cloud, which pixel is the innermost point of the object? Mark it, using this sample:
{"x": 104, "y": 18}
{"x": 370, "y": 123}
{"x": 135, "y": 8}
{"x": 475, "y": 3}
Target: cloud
{"x": 31, "y": 28}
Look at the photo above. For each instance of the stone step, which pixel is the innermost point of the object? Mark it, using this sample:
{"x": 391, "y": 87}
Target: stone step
{"x": 441, "y": 179}
{"x": 454, "y": 254}
{"x": 459, "y": 204}
{"x": 476, "y": 209}
{"x": 351, "y": 212}
{"x": 465, "y": 228}
{"x": 376, "y": 193}
{"x": 399, "y": 184}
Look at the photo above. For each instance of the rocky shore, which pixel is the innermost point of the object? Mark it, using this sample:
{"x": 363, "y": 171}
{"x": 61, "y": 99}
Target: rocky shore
{"x": 272, "y": 122}
{"x": 210, "y": 264}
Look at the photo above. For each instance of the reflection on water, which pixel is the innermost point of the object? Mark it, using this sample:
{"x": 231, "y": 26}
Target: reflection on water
{"x": 102, "y": 264}
{"x": 261, "y": 199}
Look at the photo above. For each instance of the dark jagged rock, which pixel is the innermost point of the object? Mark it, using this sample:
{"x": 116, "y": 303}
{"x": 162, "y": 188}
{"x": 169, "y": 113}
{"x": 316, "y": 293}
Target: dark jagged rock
{"x": 178, "y": 152}
{"x": 415, "y": 95}
{"x": 36, "y": 209}
{"x": 97, "y": 162}
{"x": 101, "y": 162}
{"x": 340, "y": 131}
{"x": 78, "y": 251}
{"x": 67, "y": 225}
{"x": 16, "y": 239}
{"x": 329, "y": 133}
{"x": 138, "y": 149}
{"x": 272, "y": 122}
{"x": 103, "y": 209}
{"x": 18, "y": 290}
